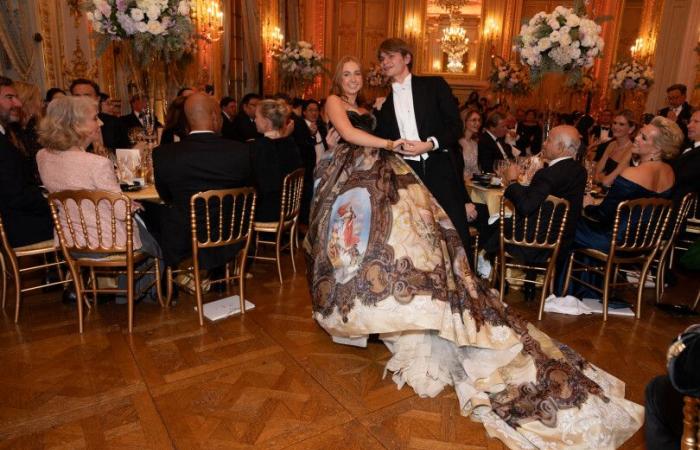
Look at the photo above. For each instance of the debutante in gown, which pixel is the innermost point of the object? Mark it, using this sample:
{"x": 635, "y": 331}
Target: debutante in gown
{"x": 383, "y": 257}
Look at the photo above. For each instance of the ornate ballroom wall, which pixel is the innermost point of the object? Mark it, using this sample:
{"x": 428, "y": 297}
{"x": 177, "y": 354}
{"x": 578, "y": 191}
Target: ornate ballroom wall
{"x": 49, "y": 42}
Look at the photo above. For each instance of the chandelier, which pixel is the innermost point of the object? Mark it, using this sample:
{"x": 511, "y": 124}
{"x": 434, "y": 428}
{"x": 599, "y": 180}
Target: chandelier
{"x": 451, "y": 6}
{"x": 210, "y": 19}
{"x": 455, "y": 43}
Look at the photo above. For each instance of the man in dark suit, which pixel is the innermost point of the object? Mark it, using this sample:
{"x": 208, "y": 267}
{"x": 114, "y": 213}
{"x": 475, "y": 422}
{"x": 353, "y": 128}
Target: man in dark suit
{"x": 423, "y": 111}
{"x": 200, "y": 162}
{"x": 564, "y": 178}
{"x": 687, "y": 166}
{"x": 492, "y": 146}
{"x": 228, "y": 112}
{"x": 114, "y": 135}
{"x": 23, "y": 209}
{"x": 137, "y": 117}
{"x": 244, "y": 124}
{"x": 602, "y": 130}
{"x": 678, "y": 109}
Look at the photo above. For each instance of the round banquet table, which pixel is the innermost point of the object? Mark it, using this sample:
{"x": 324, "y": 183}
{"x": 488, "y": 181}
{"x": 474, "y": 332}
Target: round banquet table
{"x": 147, "y": 194}
{"x": 489, "y": 196}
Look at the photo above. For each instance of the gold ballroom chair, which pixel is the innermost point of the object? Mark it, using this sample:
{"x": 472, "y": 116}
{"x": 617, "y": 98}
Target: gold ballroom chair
{"x": 677, "y": 221}
{"x": 105, "y": 255}
{"x": 537, "y": 232}
{"x": 691, "y": 423}
{"x": 13, "y": 255}
{"x": 290, "y": 205}
{"x": 638, "y": 228}
{"x": 228, "y": 215}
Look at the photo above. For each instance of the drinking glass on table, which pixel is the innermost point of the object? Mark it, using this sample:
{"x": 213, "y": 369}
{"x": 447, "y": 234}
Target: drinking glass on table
{"x": 500, "y": 167}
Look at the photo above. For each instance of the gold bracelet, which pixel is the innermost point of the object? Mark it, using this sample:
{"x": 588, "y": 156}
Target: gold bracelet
{"x": 389, "y": 145}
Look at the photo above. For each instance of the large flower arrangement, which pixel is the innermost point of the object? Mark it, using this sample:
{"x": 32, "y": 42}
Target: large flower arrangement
{"x": 562, "y": 41}
{"x": 159, "y": 29}
{"x": 376, "y": 78}
{"x": 632, "y": 75}
{"x": 299, "y": 64}
{"x": 509, "y": 77}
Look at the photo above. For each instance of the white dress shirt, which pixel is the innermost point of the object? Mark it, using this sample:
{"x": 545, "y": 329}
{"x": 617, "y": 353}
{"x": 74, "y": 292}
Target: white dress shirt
{"x": 2, "y": 130}
{"x": 696, "y": 144}
{"x": 554, "y": 161}
{"x": 406, "y": 115}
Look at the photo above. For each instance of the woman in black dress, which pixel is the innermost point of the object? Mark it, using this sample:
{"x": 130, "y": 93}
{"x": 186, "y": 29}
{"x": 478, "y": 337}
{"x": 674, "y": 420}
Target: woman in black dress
{"x": 274, "y": 157}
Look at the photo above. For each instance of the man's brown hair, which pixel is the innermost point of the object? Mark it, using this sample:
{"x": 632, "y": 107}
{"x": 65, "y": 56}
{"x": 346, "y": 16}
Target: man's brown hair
{"x": 396, "y": 45}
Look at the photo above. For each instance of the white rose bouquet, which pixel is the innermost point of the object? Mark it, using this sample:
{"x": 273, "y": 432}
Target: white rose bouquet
{"x": 509, "y": 77}
{"x": 375, "y": 77}
{"x": 299, "y": 64}
{"x": 630, "y": 76}
{"x": 562, "y": 41}
{"x": 158, "y": 28}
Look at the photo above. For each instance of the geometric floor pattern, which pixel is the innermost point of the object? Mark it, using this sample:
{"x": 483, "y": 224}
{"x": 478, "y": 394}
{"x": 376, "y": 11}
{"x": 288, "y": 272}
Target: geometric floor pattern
{"x": 269, "y": 379}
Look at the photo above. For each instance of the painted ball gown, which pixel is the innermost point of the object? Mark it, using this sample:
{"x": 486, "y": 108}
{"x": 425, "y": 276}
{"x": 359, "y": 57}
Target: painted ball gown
{"x": 383, "y": 257}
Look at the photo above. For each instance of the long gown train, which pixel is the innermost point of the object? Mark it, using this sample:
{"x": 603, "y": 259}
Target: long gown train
{"x": 383, "y": 257}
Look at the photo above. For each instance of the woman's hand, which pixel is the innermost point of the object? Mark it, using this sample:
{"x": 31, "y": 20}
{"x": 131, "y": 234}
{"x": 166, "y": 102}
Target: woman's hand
{"x": 398, "y": 144}
{"x": 332, "y": 138}
{"x": 588, "y": 200}
{"x": 379, "y": 102}
{"x": 136, "y": 206}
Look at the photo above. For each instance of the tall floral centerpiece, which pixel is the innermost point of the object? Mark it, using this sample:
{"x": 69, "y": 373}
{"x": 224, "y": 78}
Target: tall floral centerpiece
{"x": 299, "y": 65}
{"x": 563, "y": 42}
{"x": 631, "y": 81}
{"x": 152, "y": 39}
{"x": 157, "y": 29}
{"x": 509, "y": 78}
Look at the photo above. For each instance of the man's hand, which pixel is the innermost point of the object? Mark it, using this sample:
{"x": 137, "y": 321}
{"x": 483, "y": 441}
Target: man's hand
{"x": 671, "y": 114}
{"x": 415, "y": 148}
{"x": 313, "y": 128}
{"x": 332, "y": 138}
{"x": 471, "y": 211}
{"x": 511, "y": 174}
{"x": 288, "y": 129}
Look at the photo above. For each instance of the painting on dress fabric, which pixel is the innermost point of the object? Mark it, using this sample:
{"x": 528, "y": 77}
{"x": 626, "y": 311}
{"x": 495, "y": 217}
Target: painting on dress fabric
{"x": 349, "y": 232}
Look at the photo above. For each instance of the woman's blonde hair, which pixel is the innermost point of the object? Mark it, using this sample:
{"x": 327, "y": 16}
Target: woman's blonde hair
{"x": 670, "y": 136}
{"x": 30, "y": 96}
{"x": 337, "y": 81}
{"x": 61, "y": 128}
{"x": 276, "y": 111}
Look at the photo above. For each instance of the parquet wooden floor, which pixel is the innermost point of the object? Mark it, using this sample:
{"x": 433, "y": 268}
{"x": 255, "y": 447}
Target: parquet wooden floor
{"x": 270, "y": 379}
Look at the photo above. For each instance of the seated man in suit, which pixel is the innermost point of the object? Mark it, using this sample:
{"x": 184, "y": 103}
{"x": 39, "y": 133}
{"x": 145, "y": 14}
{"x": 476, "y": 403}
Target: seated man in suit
{"x": 492, "y": 147}
{"x": 23, "y": 209}
{"x": 202, "y": 161}
{"x": 687, "y": 165}
{"x": 114, "y": 135}
{"x": 602, "y": 130}
{"x": 564, "y": 178}
{"x": 137, "y": 117}
{"x": 678, "y": 109}
{"x": 228, "y": 113}
{"x": 244, "y": 129}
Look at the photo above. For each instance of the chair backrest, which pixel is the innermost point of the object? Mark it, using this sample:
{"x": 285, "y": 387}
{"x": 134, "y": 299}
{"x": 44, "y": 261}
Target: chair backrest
{"x": 92, "y": 221}
{"x": 694, "y": 213}
{"x": 542, "y": 229}
{"x": 292, "y": 188}
{"x": 5, "y": 241}
{"x": 222, "y": 217}
{"x": 680, "y": 214}
{"x": 639, "y": 224}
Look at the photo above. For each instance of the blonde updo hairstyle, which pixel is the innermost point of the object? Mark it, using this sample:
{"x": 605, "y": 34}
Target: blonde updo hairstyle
{"x": 276, "y": 111}
{"x": 62, "y": 127}
{"x": 670, "y": 136}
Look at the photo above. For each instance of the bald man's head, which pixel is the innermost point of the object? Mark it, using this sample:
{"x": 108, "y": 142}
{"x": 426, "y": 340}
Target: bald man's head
{"x": 202, "y": 113}
{"x": 563, "y": 140}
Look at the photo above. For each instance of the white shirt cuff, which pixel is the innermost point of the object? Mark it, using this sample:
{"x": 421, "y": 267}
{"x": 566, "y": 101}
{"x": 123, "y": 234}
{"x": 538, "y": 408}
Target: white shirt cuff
{"x": 436, "y": 145}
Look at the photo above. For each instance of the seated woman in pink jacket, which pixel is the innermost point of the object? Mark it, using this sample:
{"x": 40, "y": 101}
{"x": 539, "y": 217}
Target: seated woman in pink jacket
{"x": 70, "y": 126}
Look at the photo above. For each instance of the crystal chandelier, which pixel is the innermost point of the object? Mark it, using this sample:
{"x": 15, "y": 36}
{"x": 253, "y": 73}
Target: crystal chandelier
{"x": 455, "y": 43}
{"x": 451, "y": 6}
{"x": 210, "y": 19}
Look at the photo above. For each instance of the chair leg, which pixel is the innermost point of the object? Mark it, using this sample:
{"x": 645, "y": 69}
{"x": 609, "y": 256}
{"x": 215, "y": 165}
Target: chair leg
{"x": 292, "y": 246}
{"x": 640, "y": 289}
{"x": 130, "y": 296}
{"x": 159, "y": 288}
{"x": 4, "y": 279}
{"x": 93, "y": 282}
{"x": 168, "y": 285}
{"x": 606, "y": 291}
{"x": 543, "y": 295}
{"x": 241, "y": 283}
{"x": 18, "y": 285}
{"x": 78, "y": 284}
{"x": 567, "y": 278}
{"x": 198, "y": 294}
{"x": 502, "y": 277}
{"x": 697, "y": 299}
{"x": 278, "y": 258}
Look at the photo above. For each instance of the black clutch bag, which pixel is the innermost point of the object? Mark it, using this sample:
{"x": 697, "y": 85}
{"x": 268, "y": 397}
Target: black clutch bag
{"x": 683, "y": 362}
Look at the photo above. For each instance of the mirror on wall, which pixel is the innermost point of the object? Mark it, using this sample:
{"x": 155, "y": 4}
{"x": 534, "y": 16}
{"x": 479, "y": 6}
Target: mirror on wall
{"x": 451, "y": 37}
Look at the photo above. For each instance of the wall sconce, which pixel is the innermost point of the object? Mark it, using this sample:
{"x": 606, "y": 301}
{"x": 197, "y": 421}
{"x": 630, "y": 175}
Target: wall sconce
{"x": 412, "y": 28}
{"x": 437, "y": 65}
{"x": 275, "y": 38}
{"x": 490, "y": 31}
{"x": 637, "y": 50}
{"x": 210, "y": 19}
